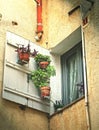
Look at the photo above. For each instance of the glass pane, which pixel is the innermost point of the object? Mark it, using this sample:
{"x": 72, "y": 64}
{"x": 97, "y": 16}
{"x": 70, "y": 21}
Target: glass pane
{"x": 72, "y": 74}
{"x": 72, "y": 77}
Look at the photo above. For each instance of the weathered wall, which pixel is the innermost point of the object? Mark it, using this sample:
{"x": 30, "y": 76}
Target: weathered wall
{"x": 24, "y": 13}
{"x": 13, "y": 118}
{"x": 57, "y": 25}
{"x": 60, "y": 26}
{"x": 72, "y": 118}
{"x": 92, "y": 53}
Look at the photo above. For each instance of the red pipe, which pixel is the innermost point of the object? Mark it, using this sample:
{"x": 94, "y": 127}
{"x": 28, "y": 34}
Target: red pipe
{"x": 39, "y": 31}
{"x": 39, "y": 16}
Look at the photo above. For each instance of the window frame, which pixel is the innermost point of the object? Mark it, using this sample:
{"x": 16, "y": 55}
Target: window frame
{"x": 66, "y": 55}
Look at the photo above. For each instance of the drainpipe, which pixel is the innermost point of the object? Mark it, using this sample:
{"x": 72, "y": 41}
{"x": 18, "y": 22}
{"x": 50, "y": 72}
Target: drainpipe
{"x": 85, "y": 75}
{"x": 39, "y": 31}
{"x": 85, "y": 82}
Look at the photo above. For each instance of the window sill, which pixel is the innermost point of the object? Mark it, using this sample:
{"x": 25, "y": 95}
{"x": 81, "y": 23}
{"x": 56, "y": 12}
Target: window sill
{"x": 67, "y": 106}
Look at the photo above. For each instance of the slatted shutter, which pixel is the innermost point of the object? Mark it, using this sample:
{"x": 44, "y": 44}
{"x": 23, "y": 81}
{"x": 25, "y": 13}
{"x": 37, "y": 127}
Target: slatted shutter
{"x": 16, "y": 84}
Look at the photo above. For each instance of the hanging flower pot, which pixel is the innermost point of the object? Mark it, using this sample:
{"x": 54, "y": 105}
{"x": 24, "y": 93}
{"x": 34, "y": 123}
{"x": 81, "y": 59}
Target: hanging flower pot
{"x": 45, "y": 91}
{"x": 43, "y": 64}
{"x": 24, "y": 53}
{"x": 42, "y": 60}
{"x": 41, "y": 77}
{"x": 24, "y": 56}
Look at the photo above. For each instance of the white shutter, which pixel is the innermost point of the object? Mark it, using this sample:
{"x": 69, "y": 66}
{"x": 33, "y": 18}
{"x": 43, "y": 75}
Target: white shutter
{"x": 16, "y": 85}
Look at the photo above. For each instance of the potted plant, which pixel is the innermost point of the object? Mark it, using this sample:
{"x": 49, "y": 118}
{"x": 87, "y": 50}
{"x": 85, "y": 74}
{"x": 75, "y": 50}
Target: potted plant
{"x": 58, "y": 105}
{"x": 41, "y": 79}
{"x": 24, "y": 53}
{"x": 42, "y": 60}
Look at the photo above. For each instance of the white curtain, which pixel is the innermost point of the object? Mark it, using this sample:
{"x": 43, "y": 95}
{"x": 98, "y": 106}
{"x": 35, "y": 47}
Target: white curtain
{"x": 72, "y": 75}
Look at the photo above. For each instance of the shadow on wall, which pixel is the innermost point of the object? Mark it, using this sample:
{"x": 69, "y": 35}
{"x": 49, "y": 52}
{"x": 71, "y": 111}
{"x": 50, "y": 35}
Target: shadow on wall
{"x": 84, "y": 5}
{"x": 5, "y": 122}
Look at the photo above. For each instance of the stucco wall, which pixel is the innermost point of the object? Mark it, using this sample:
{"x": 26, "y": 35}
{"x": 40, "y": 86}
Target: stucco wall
{"x": 92, "y": 53}
{"x": 72, "y": 118}
{"x": 13, "y": 118}
{"x": 57, "y": 25}
{"x": 60, "y": 26}
{"x": 24, "y": 14}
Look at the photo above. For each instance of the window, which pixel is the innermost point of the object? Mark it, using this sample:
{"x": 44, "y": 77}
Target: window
{"x": 72, "y": 74}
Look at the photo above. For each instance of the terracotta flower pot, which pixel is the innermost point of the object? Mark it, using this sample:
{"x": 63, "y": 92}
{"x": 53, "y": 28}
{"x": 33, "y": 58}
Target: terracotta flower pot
{"x": 24, "y": 56}
{"x": 45, "y": 91}
{"x": 43, "y": 64}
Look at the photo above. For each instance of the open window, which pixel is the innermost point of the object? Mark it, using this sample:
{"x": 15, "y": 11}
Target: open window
{"x": 72, "y": 74}
{"x": 69, "y": 53}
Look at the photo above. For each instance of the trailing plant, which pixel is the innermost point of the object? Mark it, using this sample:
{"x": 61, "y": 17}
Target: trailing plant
{"x": 58, "y": 104}
{"x": 50, "y": 70}
{"x": 24, "y": 54}
{"x": 40, "y": 57}
{"x": 26, "y": 49}
{"x": 41, "y": 77}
